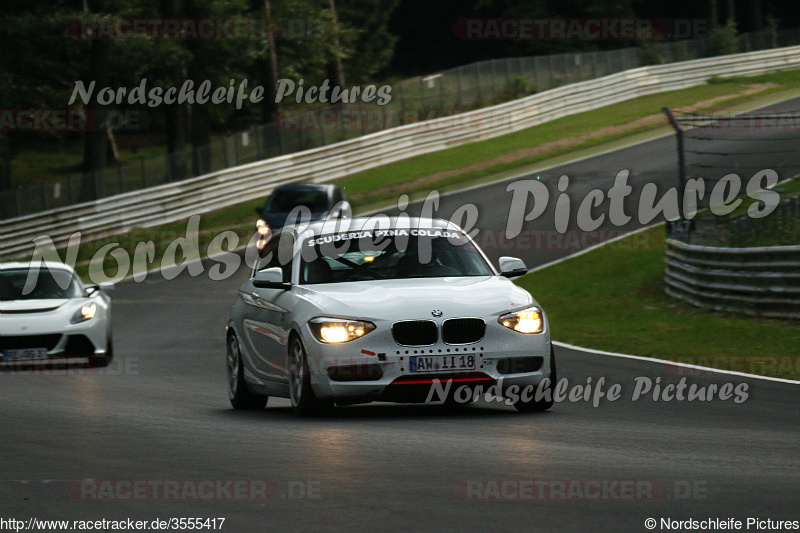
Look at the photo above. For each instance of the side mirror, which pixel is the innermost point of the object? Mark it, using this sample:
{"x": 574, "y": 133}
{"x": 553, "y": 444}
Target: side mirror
{"x": 511, "y": 267}
{"x": 270, "y": 278}
{"x": 106, "y": 286}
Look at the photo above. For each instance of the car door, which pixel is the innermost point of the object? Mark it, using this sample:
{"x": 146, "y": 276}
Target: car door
{"x": 266, "y": 318}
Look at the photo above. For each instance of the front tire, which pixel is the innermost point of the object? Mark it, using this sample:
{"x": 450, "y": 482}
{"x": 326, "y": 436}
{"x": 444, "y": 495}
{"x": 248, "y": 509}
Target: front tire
{"x": 546, "y": 402}
{"x": 239, "y": 393}
{"x": 304, "y": 401}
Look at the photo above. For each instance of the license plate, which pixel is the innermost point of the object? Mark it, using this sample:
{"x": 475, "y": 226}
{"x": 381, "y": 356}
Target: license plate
{"x": 443, "y": 363}
{"x": 24, "y": 354}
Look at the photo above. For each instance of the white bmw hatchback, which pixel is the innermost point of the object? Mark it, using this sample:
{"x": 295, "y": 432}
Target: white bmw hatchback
{"x": 384, "y": 309}
{"x": 46, "y": 313}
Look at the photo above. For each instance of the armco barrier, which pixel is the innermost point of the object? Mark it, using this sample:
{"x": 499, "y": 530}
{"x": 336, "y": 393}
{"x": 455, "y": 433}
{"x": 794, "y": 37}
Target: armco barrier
{"x": 750, "y": 281}
{"x": 172, "y": 202}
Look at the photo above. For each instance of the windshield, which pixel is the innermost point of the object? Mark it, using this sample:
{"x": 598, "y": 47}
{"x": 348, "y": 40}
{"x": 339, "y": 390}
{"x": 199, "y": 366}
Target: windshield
{"x": 402, "y": 254}
{"x": 49, "y": 284}
{"x": 284, "y": 201}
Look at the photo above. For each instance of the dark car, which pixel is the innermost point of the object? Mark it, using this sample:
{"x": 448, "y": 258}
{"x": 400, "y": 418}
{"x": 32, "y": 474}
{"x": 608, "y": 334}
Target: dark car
{"x": 320, "y": 199}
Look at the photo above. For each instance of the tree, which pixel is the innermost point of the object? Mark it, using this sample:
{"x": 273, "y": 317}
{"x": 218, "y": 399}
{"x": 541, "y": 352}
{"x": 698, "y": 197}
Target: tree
{"x": 365, "y": 43}
{"x": 270, "y": 67}
{"x": 37, "y": 72}
{"x": 175, "y": 125}
{"x": 218, "y": 61}
{"x": 336, "y": 53}
{"x": 723, "y": 40}
{"x": 94, "y": 148}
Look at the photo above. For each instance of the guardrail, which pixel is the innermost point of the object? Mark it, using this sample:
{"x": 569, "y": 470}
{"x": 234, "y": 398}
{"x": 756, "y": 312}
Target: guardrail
{"x": 175, "y": 201}
{"x": 761, "y": 281}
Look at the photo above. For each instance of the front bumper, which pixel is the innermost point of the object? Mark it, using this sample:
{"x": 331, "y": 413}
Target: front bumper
{"x": 25, "y": 339}
{"x": 379, "y": 369}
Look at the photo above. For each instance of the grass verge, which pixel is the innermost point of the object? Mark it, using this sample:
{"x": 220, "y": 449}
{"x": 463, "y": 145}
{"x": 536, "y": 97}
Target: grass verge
{"x": 590, "y": 304}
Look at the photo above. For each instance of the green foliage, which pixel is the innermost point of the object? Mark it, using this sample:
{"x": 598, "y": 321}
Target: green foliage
{"x": 760, "y": 78}
{"x": 47, "y": 60}
{"x": 651, "y": 53}
{"x": 518, "y": 87}
{"x": 371, "y": 42}
{"x": 723, "y": 40}
{"x": 771, "y": 27}
{"x": 40, "y": 72}
{"x": 737, "y": 229}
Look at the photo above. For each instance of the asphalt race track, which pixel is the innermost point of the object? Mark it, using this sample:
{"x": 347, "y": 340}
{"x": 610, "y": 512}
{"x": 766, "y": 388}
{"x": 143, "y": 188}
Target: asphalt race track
{"x": 77, "y": 444}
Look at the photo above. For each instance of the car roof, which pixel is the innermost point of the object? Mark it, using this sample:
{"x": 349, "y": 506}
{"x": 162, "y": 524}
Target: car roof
{"x": 22, "y": 265}
{"x": 357, "y": 223}
{"x": 305, "y": 186}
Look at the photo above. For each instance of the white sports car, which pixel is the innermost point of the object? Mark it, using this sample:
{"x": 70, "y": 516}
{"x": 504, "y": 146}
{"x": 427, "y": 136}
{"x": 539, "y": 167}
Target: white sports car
{"x": 46, "y": 312}
{"x": 403, "y": 310}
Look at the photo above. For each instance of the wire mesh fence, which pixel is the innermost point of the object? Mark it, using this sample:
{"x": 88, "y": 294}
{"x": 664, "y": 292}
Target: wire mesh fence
{"x": 413, "y": 100}
{"x": 780, "y": 228}
{"x": 729, "y": 160}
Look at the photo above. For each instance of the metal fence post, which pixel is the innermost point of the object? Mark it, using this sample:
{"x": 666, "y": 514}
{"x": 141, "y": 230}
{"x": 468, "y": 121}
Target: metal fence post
{"x": 279, "y": 133}
{"x": 18, "y": 202}
{"x": 494, "y": 78}
{"x": 168, "y": 167}
{"x": 442, "y": 96}
{"x": 401, "y": 95}
{"x": 681, "y": 165}
{"x": 99, "y": 177}
{"x": 458, "y": 86}
{"x": 321, "y": 122}
{"x": 681, "y": 151}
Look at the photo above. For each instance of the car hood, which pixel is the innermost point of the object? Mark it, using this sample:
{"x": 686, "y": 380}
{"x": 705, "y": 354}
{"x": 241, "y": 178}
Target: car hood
{"x": 31, "y": 306}
{"x": 278, "y": 220}
{"x": 417, "y": 298}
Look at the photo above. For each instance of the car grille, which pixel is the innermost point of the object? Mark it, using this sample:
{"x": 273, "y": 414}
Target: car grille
{"x": 21, "y": 342}
{"x": 463, "y": 330}
{"x": 363, "y": 372}
{"x": 519, "y": 365}
{"x": 417, "y": 388}
{"x": 415, "y": 333}
{"x": 79, "y": 345}
{"x": 426, "y": 332}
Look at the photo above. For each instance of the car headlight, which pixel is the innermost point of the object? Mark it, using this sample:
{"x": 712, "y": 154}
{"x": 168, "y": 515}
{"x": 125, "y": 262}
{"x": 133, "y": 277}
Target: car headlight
{"x": 262, "y": 227}
{"x": 85, "y": 313}
{"x": 263, "y": 230}
{"x": 524, "y": 321}
{"x": 335, "y": 330}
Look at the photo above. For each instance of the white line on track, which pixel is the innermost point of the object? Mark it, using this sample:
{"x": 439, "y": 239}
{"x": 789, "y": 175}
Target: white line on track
{"x": 673, "y": 363}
